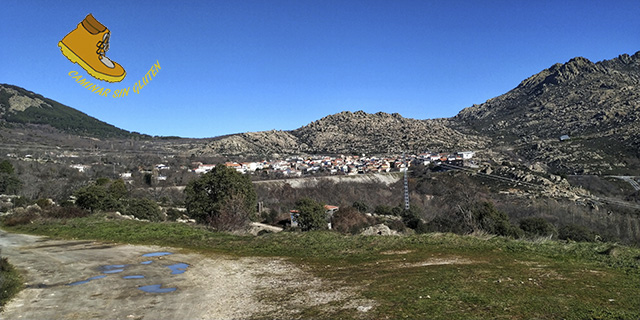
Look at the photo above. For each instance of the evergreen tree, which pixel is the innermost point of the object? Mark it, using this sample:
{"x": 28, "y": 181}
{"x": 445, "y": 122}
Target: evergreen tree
{"x": 311, "y": 215}
{"x": 207, "y": 196}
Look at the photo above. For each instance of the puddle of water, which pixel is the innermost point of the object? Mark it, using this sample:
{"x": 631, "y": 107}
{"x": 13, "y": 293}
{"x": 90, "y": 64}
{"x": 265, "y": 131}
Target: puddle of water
{"x": 156, "y": 289}
{"x": 157, "y": 254}
{"x": 113, "y": 271}
{"x": 178, "y": 268}
{"x": 113, "y": 268}
{"x": 133, "y": 277}
{"x": 85, "y": 281}
{"x": 146, "y": 262}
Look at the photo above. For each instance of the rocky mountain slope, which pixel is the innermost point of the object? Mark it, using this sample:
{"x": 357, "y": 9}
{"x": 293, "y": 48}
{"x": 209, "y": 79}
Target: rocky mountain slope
{"x": 350, "y": 132}
{"x": 577, "y": 98}
{"x": 595, "y": 104}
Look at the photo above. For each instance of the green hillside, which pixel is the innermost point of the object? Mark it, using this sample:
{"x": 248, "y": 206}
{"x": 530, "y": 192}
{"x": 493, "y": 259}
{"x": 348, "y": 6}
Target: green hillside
{"x": 20, "y": 106}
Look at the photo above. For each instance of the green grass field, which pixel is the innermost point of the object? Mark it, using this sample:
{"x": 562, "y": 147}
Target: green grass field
{"x": 431, "y": 276}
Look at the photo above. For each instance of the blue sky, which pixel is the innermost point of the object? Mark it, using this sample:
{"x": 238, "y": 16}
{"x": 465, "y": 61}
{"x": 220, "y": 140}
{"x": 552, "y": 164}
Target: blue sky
{"x": 238, "y": 66}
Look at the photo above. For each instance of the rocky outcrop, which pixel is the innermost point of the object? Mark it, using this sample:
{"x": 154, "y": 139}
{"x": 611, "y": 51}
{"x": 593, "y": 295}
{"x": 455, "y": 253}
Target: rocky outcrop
{"x": 597, "y": 105}
{"x": 350, "y": 132}
{"x": 381, "y": 132}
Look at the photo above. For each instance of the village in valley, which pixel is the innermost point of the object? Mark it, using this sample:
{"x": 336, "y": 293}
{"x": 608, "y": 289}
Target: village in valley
{"x": 347, "y": 165}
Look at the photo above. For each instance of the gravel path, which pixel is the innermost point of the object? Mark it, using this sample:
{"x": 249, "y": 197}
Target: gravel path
{"x": 94, "y": 280}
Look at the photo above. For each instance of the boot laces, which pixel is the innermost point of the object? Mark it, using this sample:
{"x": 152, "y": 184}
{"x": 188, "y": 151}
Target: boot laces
{"x": 103, "y": 46}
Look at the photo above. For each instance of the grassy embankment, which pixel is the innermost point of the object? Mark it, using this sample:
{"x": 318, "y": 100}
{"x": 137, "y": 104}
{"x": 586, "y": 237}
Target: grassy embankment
{"x": 435, "y": 276}
{"x": 10, "y": 282}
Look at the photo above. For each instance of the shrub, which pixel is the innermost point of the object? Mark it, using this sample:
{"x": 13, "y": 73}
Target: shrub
{"x": 383, "y": 210}
{"x": 360, "y": 206}
{"x": 44, "y": 203}
{"x": 576, "y": 233}
{"x": 537, "y": 227}
{"x": 21, "y": 216}
{"x": 270, "y": 216}
{"x": 396, "y": 225}
{"x": 173, "y": 214}
{"x": 21, "y": 202}
{"x": 10, "y": 282}
{"x": 447, "y": 224}
{"x": 144, "y": 209}
{"x": 349, "y": 220}
{"x": 421, "y": 227}
{"x": 65, "y": 212}
{"x": 493, "y": 221}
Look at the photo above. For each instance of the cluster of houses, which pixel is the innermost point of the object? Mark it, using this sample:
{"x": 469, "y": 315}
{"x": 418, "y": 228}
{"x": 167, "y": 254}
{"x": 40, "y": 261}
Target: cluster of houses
{"x": 349, "y": 165}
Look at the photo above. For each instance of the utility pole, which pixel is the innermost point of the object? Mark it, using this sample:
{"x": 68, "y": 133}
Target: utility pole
{"x": 406, "y": 182}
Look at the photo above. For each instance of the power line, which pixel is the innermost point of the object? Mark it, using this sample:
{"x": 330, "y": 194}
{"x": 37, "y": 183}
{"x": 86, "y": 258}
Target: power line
{"x": 406, "y": 182}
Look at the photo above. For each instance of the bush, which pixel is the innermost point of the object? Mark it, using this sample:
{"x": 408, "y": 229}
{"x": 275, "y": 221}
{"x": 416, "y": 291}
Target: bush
{"x": 10, "y": 282}
{"x": 22, "y": 216}
{"x": 44, "y": 203}
{"x": 65, "y": 212}
{"x": 144, "y": 209}
{"x": 577, "y": 233}
{"x": 539, "y": 227}
{"x": 360, "y": 206}
{"x": 421, "y": 227}
{"x": 270, "y": 216}
{"x": 411, "y": 217}
{"x": 396, "y": 225}
{"x": 493, "y": 221}
{"x": 349, "y": 220}
{"x": 173, "y": 214}
{"x": 447, "y": 224}
{"x": 383, "y": 210}
{"x": 21, "y": 202}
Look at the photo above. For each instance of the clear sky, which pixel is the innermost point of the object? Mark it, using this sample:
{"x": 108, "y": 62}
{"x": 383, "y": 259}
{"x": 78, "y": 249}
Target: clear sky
{"x": 240, "y": 65}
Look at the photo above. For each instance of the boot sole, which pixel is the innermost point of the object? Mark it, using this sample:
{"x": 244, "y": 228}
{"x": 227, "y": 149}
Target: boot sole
{"x": 75, "y": 59}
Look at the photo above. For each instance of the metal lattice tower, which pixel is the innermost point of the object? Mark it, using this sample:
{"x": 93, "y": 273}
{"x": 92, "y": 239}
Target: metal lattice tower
{"x": 406, "y": 182}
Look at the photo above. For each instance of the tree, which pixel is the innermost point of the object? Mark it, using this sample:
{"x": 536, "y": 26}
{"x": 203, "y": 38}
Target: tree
{"x": 6, "y": 167}
{"x": 205, "y": 197}
{"x": 360, "y": 206}
{"x": 311, "y": 215}
{"x": 101, "y": 195}
{"x": 9, "y": 182}
{"x": 118, "y": 190}
{"x": 232, "y": 215}
{"x": 92, "y": 197}
{"x": 536, "y": 226}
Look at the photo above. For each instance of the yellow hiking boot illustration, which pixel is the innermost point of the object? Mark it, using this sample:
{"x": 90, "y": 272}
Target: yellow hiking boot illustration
{"x": 87, "y": 46}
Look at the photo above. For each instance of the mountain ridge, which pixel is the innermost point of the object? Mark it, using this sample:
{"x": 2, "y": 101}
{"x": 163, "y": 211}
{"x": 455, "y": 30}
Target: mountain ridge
{"x": 596, "y": 104}
{"x": 21, "y": 106}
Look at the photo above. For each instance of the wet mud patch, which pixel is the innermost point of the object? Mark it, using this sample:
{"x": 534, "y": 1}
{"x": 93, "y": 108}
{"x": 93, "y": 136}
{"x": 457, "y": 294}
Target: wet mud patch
{"x": 156, "y": 288}
{"x": 86, "y": 281}
{"x": 143, "y": 270}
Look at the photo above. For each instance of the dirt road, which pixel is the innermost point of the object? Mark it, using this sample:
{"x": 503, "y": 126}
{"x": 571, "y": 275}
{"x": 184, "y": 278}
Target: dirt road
{"x": 94, "y": 280}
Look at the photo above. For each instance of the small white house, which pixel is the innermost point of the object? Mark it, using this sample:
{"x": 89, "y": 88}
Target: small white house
{"x": 466, "y": 154}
